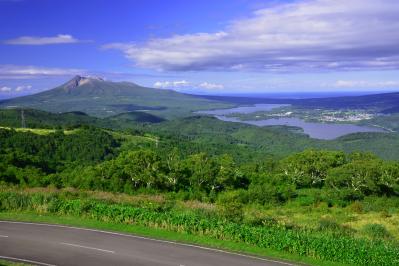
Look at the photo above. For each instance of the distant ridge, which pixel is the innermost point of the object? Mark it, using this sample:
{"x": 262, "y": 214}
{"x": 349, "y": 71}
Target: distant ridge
{"x": 383, "y": 103}
{"x": 386, "y": 103}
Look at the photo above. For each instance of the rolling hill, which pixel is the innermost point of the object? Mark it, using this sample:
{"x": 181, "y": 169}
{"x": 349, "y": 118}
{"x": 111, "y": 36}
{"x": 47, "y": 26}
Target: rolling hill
{"x": 101, "y": 98}
{"x": 42, "y": 119}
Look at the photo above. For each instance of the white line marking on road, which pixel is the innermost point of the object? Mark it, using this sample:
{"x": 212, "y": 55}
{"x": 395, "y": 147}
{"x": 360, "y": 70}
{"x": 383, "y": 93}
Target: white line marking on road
{"x": 79, "y": 246}
{"x": 3, "y": 236}
{"x": 156, "y": 240}
{"x": 28, "y": 261}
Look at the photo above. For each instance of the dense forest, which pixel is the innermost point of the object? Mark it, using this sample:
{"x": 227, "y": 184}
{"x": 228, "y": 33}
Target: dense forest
{"x": 92, "y": 158}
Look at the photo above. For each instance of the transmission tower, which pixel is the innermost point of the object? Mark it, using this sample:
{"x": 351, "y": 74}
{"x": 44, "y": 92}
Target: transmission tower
{"x": 23, "y": 123}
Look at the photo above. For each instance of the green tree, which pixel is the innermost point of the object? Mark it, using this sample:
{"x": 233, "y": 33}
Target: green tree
{"x": 309, "y": 168}
{"x": 143, "y": 168}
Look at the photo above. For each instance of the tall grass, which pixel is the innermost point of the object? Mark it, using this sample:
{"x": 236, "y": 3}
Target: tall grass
{"x": 321, "y": 245}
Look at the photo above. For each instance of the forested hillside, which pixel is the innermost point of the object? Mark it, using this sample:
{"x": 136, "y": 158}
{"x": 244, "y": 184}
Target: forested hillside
{"x": 41, "y": 119}
{"x": 90, "y": 159}
{"x": 275, "y": 140}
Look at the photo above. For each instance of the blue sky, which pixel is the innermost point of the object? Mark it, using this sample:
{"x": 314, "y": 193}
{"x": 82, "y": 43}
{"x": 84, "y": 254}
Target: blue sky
{"x": 217, "y": 47}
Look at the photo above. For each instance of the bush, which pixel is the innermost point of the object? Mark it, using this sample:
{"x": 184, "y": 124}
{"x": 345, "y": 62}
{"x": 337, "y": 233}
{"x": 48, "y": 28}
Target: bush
{"x": 326, "y": 224}
{"x": 271, "y": 193}
{"x": 230, "y": 207}
{"x": 356, "y": 207}
{"x": 376, "y": 231}
{"x": 379, "y": 204}
{"x": 385, "y": 214}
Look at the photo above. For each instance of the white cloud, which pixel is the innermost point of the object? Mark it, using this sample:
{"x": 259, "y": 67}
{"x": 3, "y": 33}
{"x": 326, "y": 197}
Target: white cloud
{"x": 171, "y": 84}
{"x": 365, "y": 84}
{"x": 16, "y": 89}
{"x": 210, "y": 86}
{"x": 34, "y": 40}
{"x": 309, "y": 35}
{"x": 23, "y": 88}
{"x": 28, "y": 72}
{"x": 5, "y": 89}
{"x": 184, "y": 85}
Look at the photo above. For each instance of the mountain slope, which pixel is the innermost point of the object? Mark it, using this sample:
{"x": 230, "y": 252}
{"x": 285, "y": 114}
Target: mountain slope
{"x": 101, "y": 98}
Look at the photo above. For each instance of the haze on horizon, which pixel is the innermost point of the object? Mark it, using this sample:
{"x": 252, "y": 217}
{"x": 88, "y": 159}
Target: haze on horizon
{"x": 208, "y": 47}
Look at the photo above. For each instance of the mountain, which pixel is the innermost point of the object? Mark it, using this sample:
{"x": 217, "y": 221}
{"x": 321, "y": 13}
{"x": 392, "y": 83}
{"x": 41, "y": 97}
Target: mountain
{"x": 98, "y": 97}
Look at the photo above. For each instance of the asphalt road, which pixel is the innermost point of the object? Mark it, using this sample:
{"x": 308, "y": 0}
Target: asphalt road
{"x": 45, "y": 244}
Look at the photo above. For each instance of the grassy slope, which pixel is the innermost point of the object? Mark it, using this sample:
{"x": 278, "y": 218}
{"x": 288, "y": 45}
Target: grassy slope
{"x": 41, "y": 131}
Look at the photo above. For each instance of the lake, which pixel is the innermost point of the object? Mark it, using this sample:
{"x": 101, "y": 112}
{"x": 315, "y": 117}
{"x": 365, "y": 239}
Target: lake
{"x": 315, "y": 130}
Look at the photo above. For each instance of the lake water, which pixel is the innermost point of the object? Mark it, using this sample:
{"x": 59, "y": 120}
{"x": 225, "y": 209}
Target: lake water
{"x": 314, "y": 130}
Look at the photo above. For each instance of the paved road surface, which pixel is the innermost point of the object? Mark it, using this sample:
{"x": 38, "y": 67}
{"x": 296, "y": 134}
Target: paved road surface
{"x": 44, "y": 244}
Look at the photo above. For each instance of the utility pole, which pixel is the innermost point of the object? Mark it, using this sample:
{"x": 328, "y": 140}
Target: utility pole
{"x": 23, "y": 123}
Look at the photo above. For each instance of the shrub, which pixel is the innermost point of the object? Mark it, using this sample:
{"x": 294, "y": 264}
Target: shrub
{"x": 356, "y": 207}
{"x": 230, "y": 207}
{"x": 328, "y": 224}
{"x": 376, "y": 231}
{"x": 385, "y": 214}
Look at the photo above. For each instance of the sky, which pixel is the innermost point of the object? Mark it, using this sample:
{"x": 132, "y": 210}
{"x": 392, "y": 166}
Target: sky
{"x": 205, "y": 47}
